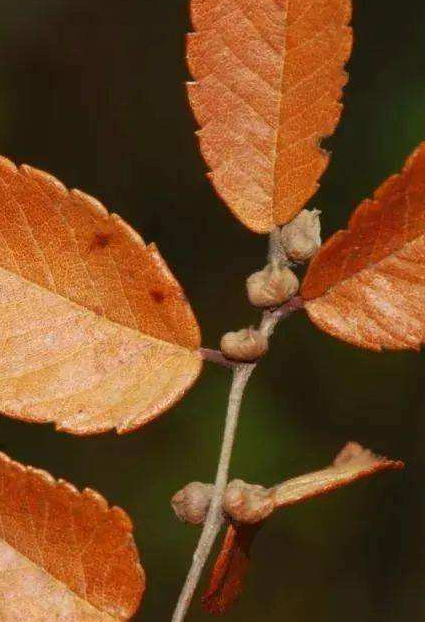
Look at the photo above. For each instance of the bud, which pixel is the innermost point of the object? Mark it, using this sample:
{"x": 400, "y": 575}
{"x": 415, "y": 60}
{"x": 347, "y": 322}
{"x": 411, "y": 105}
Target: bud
{"x": 246, "y": 345}
{"x": 192, "y": 502}
{"x": 301, "y": 237}
{"x": 247, "y": 503}
{"x": 272, "y": 286}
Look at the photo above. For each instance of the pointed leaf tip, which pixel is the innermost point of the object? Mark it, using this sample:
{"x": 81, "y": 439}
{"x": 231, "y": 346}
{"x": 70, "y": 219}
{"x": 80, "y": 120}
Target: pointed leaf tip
{"x": 268, "y": 81}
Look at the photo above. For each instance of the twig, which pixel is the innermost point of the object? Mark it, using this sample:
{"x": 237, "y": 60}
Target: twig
{"x": 215, "y": 356}
{"x": 269, "y": 321}
{"x": 272, "y": 318}
{"x": 214, "y": 519}
{"x": 276, "y": 252}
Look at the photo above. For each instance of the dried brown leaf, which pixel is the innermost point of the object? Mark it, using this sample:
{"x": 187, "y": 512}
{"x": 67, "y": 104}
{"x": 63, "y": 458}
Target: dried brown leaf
{"x": 64, "y": 555}
{"x": 367, "y": 284}
{"x": 268, "y": 80}
{"x": 96, "y": 332}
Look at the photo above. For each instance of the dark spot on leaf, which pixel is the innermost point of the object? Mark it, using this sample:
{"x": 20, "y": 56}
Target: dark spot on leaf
{"x": 157, "y": 295}
{"x": 101, "y": 239}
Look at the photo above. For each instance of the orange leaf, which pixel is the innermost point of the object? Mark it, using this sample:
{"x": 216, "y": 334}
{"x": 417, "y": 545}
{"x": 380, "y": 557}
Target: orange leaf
{"x": 229, "y": 572}
{"x": 269, "y": 76}
{"x": 96, "y": 332}
{"x": 367, "y": 284}
{"x": 351, "y": 464}
{"x": 64, "y": 555}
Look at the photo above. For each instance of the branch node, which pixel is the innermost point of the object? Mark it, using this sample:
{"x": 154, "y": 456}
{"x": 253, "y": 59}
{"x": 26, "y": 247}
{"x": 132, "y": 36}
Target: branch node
{"x": 192, "y": 502}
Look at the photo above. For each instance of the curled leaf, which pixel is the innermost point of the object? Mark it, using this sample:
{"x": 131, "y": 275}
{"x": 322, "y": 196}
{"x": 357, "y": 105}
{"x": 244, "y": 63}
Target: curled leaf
{"x": 268, "y": 80}
{"x": 366, "y": 285}
{"x": 96, "y": 332}
{"x": 351, "y": 464}
{"x": 232, "y": 564}
{"x": 229, "y": 572}
{"x": 64, "y": 555}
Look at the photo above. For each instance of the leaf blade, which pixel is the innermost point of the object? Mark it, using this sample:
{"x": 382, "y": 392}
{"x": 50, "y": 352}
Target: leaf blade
{"x": 268, "y": 80}
{"x": 64, "y": 554}
{"x": 97, "y": 332}
{"x": 365, "y": 286}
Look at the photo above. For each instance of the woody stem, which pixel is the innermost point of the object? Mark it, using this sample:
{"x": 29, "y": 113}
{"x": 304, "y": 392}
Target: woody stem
{"x": 214, "y": 518}
{"x": 241, "y": 375}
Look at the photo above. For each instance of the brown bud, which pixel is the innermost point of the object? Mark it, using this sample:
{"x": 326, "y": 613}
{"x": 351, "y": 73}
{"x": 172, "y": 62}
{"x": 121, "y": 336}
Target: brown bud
{"x": 301, "y": 237}
{"x": 246, "y": 345}
{"x": 272, "y": 286}
{"x": 192, "y": 502}
{"x": 247, "y": 503}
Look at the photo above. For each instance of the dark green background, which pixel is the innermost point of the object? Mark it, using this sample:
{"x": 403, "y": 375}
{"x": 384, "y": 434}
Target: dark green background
{"x": 93, "y": 92}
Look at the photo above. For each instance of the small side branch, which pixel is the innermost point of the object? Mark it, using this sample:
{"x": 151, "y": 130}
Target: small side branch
{"x": 215, "y": 356}
{"x": 272, "y": 318}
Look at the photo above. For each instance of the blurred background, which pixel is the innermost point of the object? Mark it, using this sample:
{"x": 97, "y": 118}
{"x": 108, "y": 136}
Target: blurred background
{"x": 93, "y": 91}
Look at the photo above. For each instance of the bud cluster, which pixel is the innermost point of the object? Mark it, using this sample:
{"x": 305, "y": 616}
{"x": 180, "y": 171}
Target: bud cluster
{"x": 296, "y": 242}
{"x": 244, "y": 503}
{"x": 192, "y": 502}
{"x": 247, "y": 503}
{"x": 301, "y": 237}
{"x": 245, "y": 346}
{"x": 272, "y": 286}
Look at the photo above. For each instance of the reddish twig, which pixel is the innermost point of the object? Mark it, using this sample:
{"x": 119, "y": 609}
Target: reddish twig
{"x": 217, "y": 357}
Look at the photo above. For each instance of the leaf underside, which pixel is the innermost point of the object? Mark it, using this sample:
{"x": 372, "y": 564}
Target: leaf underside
{"x": 268, "y": 80}
{"x": 232, "y": 565}
{"x": 230, "y": 569}
{"x": 96, "y": 332}
{"x": 64, "y": 555}
{"x": 366, "y": 285}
